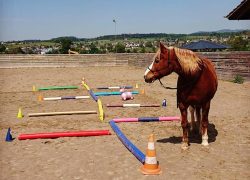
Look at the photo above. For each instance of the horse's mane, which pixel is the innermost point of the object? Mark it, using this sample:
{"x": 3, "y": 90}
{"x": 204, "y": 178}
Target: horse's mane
{"x": 189, "y": 61}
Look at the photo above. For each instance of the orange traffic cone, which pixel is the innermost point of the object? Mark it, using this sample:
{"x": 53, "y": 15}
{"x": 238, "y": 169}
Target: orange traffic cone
{"x": 151, "y": 166}
{"x": 143, "y": 91}
{"x": 40, "y": 97}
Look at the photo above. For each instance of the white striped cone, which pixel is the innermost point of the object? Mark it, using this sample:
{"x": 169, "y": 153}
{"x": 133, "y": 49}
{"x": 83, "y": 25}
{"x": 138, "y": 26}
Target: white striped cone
{"x": 151, "y": 166}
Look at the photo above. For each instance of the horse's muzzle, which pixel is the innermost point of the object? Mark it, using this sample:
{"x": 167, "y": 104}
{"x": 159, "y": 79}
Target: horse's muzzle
{"x": 148, "y": 80}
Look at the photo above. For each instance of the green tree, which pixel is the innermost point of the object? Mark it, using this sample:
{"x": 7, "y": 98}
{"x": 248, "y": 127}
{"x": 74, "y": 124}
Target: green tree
{"x": 120, "y": 48}
{"x": 110, "y": 47}
{"x": 65, "y": 46}
{"x": 15, "y": 50}
{"x": 103, "y": 49}
{"x": 135, "y": 50}
{"x": 143, "y": 50}
{"x": 148, "y": 44}
{"x": 93, "y": 49}
{"x": 239, "y": 44}
{"x": 2, "y": 48}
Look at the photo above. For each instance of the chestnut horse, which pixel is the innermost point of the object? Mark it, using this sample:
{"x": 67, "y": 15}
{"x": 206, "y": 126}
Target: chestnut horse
{"x": 196, "y": 86}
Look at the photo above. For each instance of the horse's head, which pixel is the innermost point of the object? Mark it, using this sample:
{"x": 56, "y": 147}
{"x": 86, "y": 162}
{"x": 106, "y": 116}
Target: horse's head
{"x": 161, "y": 65}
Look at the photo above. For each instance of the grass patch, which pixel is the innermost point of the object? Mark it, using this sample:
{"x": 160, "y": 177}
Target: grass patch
{"x": 238, "y": 79}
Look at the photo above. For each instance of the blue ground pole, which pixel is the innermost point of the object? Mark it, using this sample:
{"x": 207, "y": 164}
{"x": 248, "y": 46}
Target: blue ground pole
{"x": 131, "y": 147}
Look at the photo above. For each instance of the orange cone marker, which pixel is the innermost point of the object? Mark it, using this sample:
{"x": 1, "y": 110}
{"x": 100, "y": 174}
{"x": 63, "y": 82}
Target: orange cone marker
{"x": 151, "y": 166}
{"x": 40, "y": 97}
{"x": 143, "y": 91}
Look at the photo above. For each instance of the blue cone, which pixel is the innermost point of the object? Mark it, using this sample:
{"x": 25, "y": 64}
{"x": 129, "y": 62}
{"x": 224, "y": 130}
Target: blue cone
{"x": 164, "y": 103}
{"x": 8, "y": 136}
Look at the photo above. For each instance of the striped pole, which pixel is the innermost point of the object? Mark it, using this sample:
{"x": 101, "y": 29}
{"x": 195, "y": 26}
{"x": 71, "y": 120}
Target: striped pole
{"x": 132, "y": 105}
{"x": 147, "y": 119}
{"x": 65, "y": 98}
{"x": 61, "y": 113}
{"x": 116, "y": 87}
{"x": 112, "y": 93}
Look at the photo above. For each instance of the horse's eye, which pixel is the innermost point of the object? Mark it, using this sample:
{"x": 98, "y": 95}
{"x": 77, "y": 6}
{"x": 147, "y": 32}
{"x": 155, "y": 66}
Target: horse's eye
{"x": 157, "y": 60}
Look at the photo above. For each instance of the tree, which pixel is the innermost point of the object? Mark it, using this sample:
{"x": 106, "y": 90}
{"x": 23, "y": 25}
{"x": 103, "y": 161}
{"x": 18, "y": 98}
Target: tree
{"x": 120, "y": 48}
{"x": 65, "y": 46}
{"x": 148, "y": 44}
{"x": 2, "y": 48}
{"x": 103, "y": 49}
{"x": 143, "y": 50}
{"x": 93, "y": 49}
{"x": 109, "y": 47}
{"x": 238, "y": 44}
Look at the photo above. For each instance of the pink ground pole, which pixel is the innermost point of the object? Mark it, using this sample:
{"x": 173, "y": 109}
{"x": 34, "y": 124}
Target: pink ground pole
{"x": 170, "y": 118}
{"x": 118, "y": 120}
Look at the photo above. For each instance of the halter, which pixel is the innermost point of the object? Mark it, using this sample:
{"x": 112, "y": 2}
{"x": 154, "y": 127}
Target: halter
{"x": 166, "y": 87}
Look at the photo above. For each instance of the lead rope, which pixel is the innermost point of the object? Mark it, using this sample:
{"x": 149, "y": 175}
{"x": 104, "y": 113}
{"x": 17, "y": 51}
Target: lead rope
{"x": 166, "y": 87}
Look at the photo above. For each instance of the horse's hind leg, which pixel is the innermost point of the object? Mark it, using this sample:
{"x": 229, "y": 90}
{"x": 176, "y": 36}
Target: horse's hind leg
{"x": 195, "y": 120}
{"x": 191, "y": 110}
{"x": 204, "y": 123}
{"x": 198, "y": 118}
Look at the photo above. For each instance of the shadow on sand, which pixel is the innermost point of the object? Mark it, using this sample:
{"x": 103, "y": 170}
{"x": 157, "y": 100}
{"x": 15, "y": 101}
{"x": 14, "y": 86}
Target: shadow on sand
{"x": 194, "y": 137}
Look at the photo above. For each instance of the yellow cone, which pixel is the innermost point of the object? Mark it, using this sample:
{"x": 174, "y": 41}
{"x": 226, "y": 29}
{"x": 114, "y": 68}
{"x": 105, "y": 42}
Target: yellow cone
{"x": 34, "y": 88}
{"x": 19, "y": 114}
{"x": 136, "y": 86}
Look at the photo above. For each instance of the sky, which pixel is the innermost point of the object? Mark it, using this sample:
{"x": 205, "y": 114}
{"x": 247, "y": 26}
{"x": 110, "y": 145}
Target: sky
{"x": 46, "y": 19}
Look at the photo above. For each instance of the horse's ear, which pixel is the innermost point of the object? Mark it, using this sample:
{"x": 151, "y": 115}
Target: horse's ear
{"x": 162, "y": 47}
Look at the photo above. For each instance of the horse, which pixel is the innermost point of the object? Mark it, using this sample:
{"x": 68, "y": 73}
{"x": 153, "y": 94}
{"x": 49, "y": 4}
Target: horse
{"x": 196, "y": 85}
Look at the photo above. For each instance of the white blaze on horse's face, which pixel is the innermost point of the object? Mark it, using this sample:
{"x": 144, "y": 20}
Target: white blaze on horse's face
{"x": 149, "y": 73}
{"x": 148, "y": 69}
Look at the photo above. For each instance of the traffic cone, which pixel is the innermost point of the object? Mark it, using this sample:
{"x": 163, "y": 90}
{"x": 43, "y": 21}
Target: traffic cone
{"x": 136, "y": 86}
{"x": 151, "y": 166}
{"x": 143, "y": 91}
{"x": 40, "y": 97}
{"x": 34, "y": 88}
{"x": 9, "y": 137}
{"x": 19, "y": 114}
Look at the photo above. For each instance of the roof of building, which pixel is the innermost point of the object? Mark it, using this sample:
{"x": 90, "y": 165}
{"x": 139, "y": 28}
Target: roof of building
{"x": 204, "y": 45}
{"x": 241, "y": 12}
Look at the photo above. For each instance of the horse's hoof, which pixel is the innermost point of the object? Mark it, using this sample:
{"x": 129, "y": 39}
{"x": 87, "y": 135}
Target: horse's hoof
{"x": 204, "y": 140}
{"x": 184, "y": 146}
{"x": 204, "y": 143}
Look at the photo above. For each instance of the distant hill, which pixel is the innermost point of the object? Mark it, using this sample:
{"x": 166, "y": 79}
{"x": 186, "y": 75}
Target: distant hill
{"x": 170, "y": 36}
{"x": 72, "y": 38}
{"x": 219, "y": 31}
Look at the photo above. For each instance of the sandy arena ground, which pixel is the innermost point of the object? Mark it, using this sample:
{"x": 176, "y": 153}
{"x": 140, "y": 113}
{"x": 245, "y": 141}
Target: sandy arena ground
{"x": 105, "y": 157}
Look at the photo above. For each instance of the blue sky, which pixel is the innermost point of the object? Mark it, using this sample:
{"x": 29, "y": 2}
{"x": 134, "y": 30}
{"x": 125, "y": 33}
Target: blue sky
{"x": 46, "y": 19}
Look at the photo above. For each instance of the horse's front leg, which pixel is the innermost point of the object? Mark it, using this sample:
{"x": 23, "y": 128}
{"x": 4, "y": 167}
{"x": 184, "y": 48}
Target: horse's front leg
{"x": 204, "y": 123}
{"x": 184, "y": 124}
